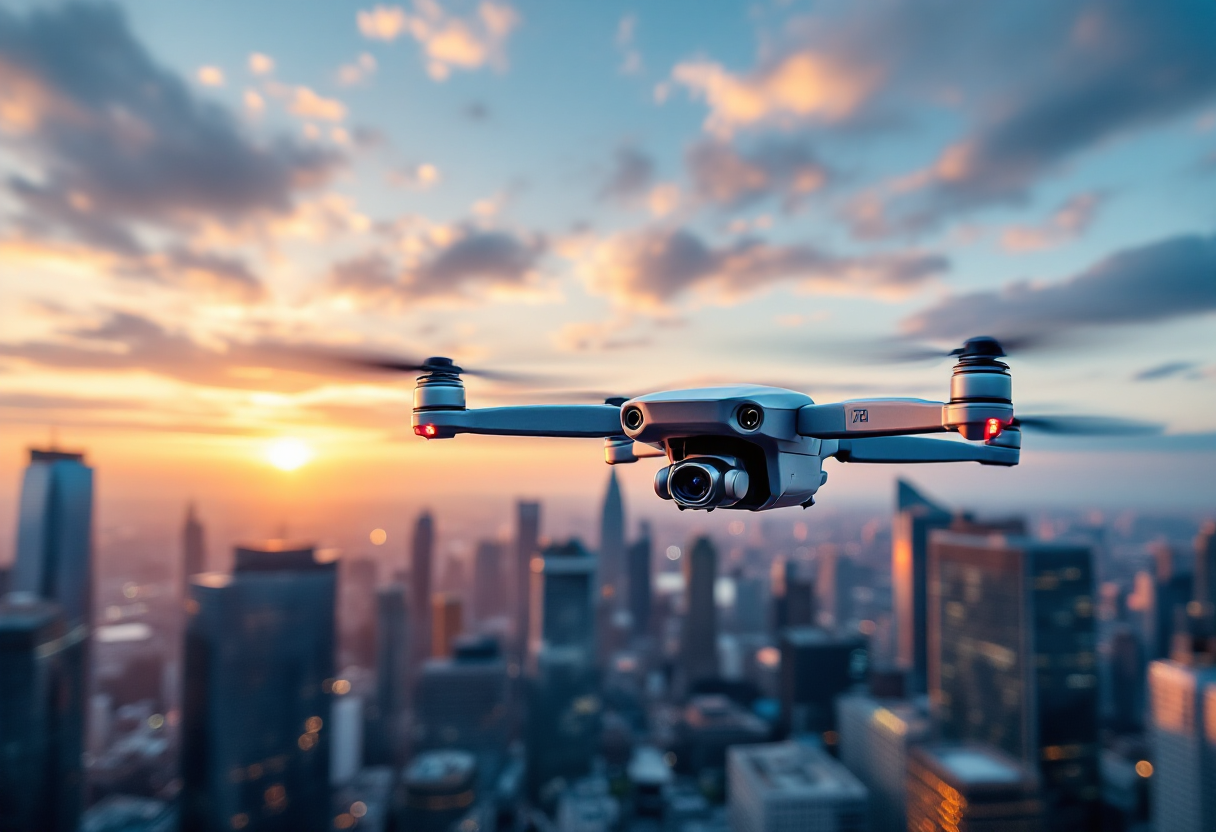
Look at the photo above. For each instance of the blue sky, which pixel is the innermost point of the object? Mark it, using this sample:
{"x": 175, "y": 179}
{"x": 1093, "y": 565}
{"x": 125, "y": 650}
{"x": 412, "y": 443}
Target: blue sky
{"x": 630, "y": 195}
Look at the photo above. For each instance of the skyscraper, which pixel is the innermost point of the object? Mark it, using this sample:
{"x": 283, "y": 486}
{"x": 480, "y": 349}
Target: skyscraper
{"x": 1205, "y": 569}
{"x": 817, "y": 666}
{"x": 915, "y": 516}
{"x": 41, "y": 717}
{"x": 462, "y": 701}
{"x": 699, "y": 637}
{"x": 527, "y": 543}
{"x": 1012, "y": 624}
{"x": 1182, "y": 739}
{"x": 639, "y": 581}
{"x": 875, "y": 738}
{"x": 612, "y": 541}
{"x": 564, "y": 587}
{"x": 421, "y": 564}
{"x": 55, "y": 533}
{"x": 488, "y": 580}
{"x": 259, "y": 672}
{"x": 386, "y": 711}
{"x": 970, "y": 786}
{"x": 447, "y": 622}
{"x": 194, "y": 547}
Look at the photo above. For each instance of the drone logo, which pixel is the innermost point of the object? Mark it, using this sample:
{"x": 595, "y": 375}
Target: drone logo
{"x": 861, "y": 416}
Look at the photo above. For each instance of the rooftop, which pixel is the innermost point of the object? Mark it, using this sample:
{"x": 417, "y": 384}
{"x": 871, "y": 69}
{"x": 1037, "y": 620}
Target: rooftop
{"x": 975, "y": 765}
{"x": 795, "y": 769}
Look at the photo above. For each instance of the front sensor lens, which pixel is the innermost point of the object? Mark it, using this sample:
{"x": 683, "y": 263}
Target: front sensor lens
{"x": 633, "y": 418}
{"x": 750, "y": 417}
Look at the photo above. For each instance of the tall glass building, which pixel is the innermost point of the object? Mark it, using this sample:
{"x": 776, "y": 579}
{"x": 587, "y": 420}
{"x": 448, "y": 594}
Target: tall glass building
{"x": 55, "y": 533}
{"x": 41, "y": 717}
{"x": 259, "y": 679}
{"x": 1012, "y": 660}
{"x": 564, "y": 589}
{"x": 612, "y": 542}
{"x": 1182, "y": 737}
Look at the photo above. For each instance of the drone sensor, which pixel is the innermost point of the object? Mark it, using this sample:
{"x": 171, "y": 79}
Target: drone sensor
{"x": 749, "y": 417}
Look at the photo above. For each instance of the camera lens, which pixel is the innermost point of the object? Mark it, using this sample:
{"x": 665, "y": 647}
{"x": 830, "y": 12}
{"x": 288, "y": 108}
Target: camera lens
{"x": 691, "y": 483}
{"x": 633, "y": 418}
{"x": 750, "y": 417}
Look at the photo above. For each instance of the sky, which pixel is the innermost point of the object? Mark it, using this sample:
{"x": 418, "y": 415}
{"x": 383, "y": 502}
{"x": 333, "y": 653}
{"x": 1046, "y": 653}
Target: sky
{"x": 196, "y": 200}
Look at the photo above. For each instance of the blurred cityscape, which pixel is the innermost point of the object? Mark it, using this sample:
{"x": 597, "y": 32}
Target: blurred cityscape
{"x": 926, "y": 669}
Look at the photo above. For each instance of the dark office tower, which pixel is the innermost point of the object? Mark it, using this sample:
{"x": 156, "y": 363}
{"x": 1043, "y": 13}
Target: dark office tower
{"x": 1205, "y": 569}
{"x": 386, "y": 712}
{"x": 259, "y": 671}
{"x": 420, "y": 588}
{"x": 55, "y": 533}
{"x": 639, "y": 581}
{"x": 356, "y": 614}
{"x": 838, "y": 574}
{"x": 564, "y": 586}
{"x": 1127, "y": 672}
{"x": 967, "y": 788}
{"x": 194, "y": 548}
{"x": 488, "y": 580}
{"x": 527, "y": 544}
{"x": 699, "y": 637}
{"x": 817, "y": 667}
{"x": 564, "y": 718}
{"x": 462, "y": 701}
{"x": 1012, "y": 625}
{"x": 915, "y": 517}
{"x": 612, "y": 542}
{"x": 41, "y": 717}
{"x": 6, "y": 577}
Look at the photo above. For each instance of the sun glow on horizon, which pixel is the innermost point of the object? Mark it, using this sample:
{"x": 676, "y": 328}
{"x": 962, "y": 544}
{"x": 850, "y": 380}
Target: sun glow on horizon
{"x": 288, "y": 454}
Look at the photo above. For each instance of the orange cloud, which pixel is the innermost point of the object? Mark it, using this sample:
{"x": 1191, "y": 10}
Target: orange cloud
{"x": 1067, "y": 223}
{"x": 210, "y": 76}
{"x": 800, "y": 86}
{"x": 307, "y": 104}
{"x": 448, "y": 41}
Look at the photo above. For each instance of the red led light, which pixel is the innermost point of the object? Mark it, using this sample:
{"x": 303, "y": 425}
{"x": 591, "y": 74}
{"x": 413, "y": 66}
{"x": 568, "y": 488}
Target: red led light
{"x": 993, "y": 428}
{"x": 429, "y": 431}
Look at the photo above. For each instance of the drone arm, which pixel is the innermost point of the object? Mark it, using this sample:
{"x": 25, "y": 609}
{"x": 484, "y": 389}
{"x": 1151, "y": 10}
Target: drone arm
{"x": 911, "y": 449}
{"x": 872, "y": 417}
{"x": 569, "y": 420}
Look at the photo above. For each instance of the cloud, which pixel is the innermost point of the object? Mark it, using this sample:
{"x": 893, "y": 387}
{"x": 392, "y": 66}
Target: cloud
{"x": 626, "y": 43}
{"x": 458, "y": 265}
{"x": 1067, "y": 223}
{"x": 107, "y": 131}
{"x": 260, "y": 64}
{"x": 1190, "y": 370}
{"x": 357, "y": 71}
{"x": 1173, "y": 278}
{"x": 210, "y": 76}
{"x": 448, "y": 41}
{"x": 631, "y": 175}
{"x": 1101, "y": 70}
{"x": 799, "y": 86}
{"x": 724, "y": 176}
{"x": 307, "y": 104}
{"x": 653, "y": 267}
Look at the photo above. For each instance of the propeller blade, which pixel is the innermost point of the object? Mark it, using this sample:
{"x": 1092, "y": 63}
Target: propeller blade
{"x": 1087, "y": 426}
{"x": 906, "y": 350}
{"x": 394, "y": 364}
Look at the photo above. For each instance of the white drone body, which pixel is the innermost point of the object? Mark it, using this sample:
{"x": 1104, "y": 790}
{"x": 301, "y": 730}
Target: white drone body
{"x": 751, "y": 447}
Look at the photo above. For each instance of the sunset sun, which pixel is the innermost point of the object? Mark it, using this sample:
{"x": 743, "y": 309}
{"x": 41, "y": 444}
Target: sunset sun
{"x": 288, "y": 454}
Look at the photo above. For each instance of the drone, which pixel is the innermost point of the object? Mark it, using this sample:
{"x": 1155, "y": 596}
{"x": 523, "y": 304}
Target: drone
{"x": 754, "y": 447}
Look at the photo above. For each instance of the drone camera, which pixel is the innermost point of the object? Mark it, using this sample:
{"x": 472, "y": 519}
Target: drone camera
{"x": 706, "y": 482}
{"x": 749, "y": 417}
